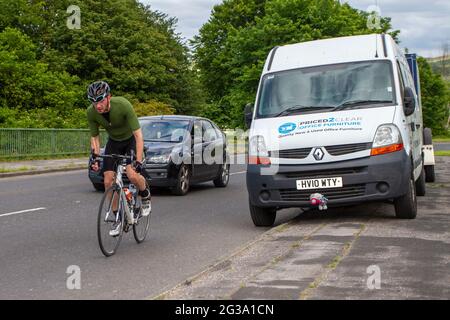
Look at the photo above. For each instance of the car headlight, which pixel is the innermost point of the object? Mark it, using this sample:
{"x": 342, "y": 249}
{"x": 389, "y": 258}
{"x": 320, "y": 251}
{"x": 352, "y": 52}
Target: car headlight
{"x": 387, "y": 139}
{"x": 160, "y": 159}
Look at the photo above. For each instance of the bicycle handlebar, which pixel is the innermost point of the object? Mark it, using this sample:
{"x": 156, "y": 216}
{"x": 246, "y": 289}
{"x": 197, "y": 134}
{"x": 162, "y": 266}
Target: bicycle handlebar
{"x": 116, "y": 157}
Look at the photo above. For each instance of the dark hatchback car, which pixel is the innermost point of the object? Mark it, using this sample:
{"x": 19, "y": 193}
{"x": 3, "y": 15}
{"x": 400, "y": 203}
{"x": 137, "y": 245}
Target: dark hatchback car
{"x": 180, "y": 151}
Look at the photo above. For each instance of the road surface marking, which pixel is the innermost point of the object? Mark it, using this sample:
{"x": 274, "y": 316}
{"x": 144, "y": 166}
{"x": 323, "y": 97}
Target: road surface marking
{"x": 235, "y": 173}
{"x": 23, "y": 211}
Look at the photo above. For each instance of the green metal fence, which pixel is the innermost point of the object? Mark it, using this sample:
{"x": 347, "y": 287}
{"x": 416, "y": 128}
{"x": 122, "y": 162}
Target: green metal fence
{"x": 16, "y": 143}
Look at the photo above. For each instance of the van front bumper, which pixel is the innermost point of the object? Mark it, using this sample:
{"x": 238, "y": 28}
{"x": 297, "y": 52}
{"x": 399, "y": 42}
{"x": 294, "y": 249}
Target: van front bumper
{"x": 376, "y": 178}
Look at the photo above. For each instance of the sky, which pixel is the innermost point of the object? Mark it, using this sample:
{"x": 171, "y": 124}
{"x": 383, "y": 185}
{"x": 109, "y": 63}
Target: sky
{"x": 424, "y": 24}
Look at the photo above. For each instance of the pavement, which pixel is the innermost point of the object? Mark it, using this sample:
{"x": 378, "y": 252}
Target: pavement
{"x": 32, "y": 167}
{"x": 359, "y": 252}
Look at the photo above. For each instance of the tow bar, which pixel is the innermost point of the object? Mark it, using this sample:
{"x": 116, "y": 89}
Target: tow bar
{"x": 319, "y": 200}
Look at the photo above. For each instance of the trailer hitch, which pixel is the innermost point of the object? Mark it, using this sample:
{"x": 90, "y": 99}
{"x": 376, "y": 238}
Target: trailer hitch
{"x": 319, "y": 200}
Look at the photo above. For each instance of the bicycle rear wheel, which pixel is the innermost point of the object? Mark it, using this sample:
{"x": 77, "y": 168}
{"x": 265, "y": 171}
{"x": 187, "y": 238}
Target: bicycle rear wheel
{"x": 140, "y": 228}
{"x": 106, "y": 219}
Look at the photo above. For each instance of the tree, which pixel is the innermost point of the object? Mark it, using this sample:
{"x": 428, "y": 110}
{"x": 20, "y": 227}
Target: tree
{"x": 123, "y": 42}
{"x": 232, "y": 46}
{"x": 25, "y": 82}
{"x": 435, "y": 98}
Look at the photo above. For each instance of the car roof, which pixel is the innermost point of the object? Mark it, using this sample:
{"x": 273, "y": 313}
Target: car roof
{"x": 172, "y": 117}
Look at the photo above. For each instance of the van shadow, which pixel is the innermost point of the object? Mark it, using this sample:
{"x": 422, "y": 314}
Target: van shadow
{"x": 354, "y": 213}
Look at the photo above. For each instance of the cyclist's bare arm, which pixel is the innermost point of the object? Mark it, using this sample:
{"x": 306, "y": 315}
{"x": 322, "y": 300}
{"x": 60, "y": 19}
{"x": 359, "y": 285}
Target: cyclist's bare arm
{"x": 139, "y": 144}
{"x": 95, "y": 144}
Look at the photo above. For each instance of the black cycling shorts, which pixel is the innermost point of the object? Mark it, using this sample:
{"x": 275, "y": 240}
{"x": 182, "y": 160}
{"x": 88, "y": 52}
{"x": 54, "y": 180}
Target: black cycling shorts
{"x": 118, "y": 147}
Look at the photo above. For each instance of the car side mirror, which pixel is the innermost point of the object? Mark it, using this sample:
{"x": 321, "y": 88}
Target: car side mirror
{"x": 409, "y": 101}
{"x": 248, "y": 114}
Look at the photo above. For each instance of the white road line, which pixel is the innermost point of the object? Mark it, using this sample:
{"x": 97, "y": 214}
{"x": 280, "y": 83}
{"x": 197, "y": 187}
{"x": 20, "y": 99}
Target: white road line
{"x": 23, "y": 211}
{"x": 235, "y": 173}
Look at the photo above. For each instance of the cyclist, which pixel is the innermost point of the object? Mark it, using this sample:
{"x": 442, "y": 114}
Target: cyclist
{"x": 117, "y": 116}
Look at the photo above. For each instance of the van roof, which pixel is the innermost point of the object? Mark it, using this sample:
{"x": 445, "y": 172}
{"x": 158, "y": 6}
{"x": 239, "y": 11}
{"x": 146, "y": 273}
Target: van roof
{"x": 331, "y": 51}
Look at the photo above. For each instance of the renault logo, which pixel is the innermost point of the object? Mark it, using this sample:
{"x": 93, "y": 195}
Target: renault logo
{"x": 318, "y": 154}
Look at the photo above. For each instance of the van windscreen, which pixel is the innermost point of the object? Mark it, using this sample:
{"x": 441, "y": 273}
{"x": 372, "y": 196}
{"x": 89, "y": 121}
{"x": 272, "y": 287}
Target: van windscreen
{"x": 352, "y": 85}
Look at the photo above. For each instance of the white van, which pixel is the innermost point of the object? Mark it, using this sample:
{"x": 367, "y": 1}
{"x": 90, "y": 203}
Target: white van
{"x": 337, "y": 120}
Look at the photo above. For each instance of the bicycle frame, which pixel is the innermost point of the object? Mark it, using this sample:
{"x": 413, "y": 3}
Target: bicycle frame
{"x": 123, "y": 200}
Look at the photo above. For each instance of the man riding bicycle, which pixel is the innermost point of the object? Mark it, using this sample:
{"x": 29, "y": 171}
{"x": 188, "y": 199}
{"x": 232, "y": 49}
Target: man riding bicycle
{"x": 117, "y": 116}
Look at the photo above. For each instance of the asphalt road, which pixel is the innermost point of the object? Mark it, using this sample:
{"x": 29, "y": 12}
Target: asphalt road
{"x": 187, "y": 235}
{"x": 441, "y": 146}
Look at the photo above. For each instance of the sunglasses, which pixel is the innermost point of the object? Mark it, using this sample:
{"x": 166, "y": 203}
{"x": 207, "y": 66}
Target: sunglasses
{"x": 98, "y": 99}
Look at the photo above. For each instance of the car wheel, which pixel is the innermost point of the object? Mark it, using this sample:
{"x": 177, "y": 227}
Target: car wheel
{"x": 406, "y": 206}
{"x": 420, "y": 184}
{"x": 429, "y": 170}
{"x": 183, "y": 181}
{"x": 262, "y": 217}
{"x": 99, "y": 186}
{"x": 224, "y": 176}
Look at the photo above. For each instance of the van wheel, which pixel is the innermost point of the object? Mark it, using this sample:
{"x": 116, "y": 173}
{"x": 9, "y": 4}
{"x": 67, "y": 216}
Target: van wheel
{"x": 420, "y": 184}
{"x": 429, "y": 170}
{"x": 406, "y": 206}
{"x": 262, "y": 217}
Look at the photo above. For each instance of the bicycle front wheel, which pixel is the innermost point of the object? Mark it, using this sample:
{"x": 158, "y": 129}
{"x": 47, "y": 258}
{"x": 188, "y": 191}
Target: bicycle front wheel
{"x": 109, "y": 215}
{"x": 140, "y": 228}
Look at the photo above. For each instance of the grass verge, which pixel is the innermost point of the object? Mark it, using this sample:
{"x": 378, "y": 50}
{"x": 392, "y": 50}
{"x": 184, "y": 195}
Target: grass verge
{"x": 19, "y": 169}
{"x": 441, "y": 139}
{"x": 445, "y": 153}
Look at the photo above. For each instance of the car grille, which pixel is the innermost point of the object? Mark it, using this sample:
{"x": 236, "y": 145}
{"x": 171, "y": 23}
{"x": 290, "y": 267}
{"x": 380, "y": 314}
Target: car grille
{"x": 324, "y": 173}
{"x": 331, "y": 194}
{"x": 347, "y": 148}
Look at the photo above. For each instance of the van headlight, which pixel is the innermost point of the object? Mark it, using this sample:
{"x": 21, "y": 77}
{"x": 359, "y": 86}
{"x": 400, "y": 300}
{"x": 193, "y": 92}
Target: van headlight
{"x": 387, "y": 139}
{"x": 258, "y": 153}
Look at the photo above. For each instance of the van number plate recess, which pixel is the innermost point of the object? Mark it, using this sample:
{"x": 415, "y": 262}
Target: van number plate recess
{"x": 322, "y": 183}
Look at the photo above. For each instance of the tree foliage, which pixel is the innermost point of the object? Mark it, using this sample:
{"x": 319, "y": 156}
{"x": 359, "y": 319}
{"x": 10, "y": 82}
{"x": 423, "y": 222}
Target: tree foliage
{"x": 123, "y": 42}
{"x": 435, "y": 98}
{"x": 232, "y": 46}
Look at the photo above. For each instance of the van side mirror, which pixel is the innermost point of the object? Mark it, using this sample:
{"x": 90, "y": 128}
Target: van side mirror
{"x": 248, "y": 114}
{"x": 409, "y": 101}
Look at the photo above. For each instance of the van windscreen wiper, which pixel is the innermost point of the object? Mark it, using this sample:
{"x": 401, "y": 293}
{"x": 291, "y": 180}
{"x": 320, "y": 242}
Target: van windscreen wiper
{"x": 297, "y": 108}
{"x": 353, "y": 103}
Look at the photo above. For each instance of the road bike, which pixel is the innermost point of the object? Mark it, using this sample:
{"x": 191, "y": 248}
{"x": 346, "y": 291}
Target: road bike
{"x": 120, "y": 203}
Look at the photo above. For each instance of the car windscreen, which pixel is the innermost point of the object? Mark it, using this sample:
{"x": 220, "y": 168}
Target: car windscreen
{"x": 328, "y": 86}
{"x": 164, "y": 130}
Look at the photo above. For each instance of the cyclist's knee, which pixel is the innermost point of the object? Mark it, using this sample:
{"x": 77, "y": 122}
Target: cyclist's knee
{"x": 108, "y": 179}
{"x": 132, "y": 175}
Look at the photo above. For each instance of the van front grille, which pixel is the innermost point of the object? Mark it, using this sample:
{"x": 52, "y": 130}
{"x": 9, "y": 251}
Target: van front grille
{"x": 347, "y": 148}
{"x": 291, "y": 153}
{"x": 324, "y": 173}
{"x": 330, "y": 194}
{"x": 332, "y": 150}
